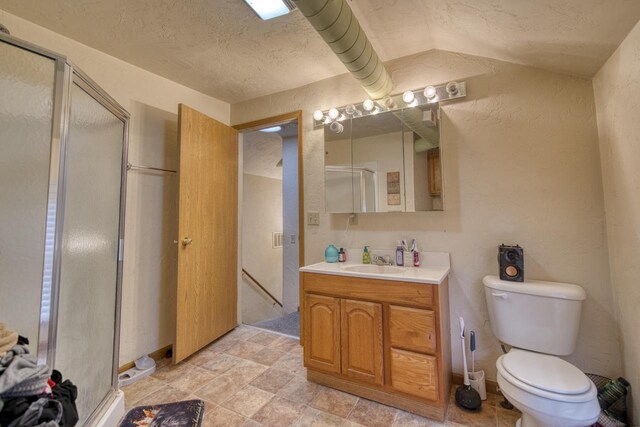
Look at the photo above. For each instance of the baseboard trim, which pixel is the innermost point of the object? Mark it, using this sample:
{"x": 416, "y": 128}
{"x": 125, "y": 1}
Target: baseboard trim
{"x": 492, "y": 386}
{"x": 155, "y": 355}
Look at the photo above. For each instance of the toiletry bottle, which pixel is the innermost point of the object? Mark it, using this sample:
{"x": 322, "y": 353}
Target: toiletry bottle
{"x": 342, "y": 256}
{"x": 331, "y": 254}
{"x": 416, "y": 253}
{"x": 366, "y": 259}
{"x": 399, "y": 250}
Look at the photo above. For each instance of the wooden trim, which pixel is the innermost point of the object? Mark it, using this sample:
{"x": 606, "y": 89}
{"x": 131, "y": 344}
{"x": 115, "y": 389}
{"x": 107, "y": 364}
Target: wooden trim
{"x": 277, "y": 120}
{"x": 270, "y": 121}
{"x": 391, "y": 399}
{"x": 491, "y": 385}
{"x": 155, "y": 355}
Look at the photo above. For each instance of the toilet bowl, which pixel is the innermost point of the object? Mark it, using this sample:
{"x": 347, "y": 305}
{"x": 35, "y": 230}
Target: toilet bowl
{"x": 547, "y": 390}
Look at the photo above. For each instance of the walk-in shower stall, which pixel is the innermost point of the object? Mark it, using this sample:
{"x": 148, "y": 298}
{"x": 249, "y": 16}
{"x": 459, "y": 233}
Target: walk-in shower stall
{"x": 63, "y": 144}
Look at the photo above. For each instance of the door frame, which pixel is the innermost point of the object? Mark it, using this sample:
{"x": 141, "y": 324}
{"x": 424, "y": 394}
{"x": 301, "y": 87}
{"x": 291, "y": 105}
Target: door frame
{"x": 274, "y": 121}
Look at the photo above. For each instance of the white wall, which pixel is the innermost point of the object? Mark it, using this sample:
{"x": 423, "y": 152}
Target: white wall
{"x": 617, "y": 91}
{"x": 149, "y": 281}
{"x": 520, "y": 164}
{"x": 291, "y": 250}
{"x": 261, "y": 216}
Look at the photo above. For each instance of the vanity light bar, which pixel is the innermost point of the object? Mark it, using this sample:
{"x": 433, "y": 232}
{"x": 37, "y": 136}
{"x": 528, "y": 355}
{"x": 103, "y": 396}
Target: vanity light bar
{"x": 408, "y": 99}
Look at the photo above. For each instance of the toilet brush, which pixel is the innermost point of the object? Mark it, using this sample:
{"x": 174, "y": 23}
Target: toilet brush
{"x": 466, "y": 397}
{"x": 472, "y": 347}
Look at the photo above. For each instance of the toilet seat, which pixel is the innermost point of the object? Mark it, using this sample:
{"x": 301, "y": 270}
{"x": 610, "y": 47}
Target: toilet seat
{"x": 546, "y": 372}
{"x": 546, "y": 376}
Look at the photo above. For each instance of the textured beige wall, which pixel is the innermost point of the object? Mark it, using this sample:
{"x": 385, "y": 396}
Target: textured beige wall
{"x": 617, "y": 94}
{"x": 150, "y": 256}
{"x": 261, "y": 216}
{"x": 521, "y": 164}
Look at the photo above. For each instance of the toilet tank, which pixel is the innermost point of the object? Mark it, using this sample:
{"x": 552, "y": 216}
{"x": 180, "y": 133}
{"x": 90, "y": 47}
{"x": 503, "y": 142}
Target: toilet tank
{"x": 535, "y": 315}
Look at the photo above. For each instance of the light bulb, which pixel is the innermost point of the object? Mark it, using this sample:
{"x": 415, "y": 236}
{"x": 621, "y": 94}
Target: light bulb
{"x": 430, "y": 92}
{"x": 408, "y": 97}
{"x": 318, "y": 115}
{"x": 336, "y": 127}
{"x": 350, "y": 109}
{"x": 334, "y": 113}
{"x": 452, "y": 88}
{"x": 368, "y": 104}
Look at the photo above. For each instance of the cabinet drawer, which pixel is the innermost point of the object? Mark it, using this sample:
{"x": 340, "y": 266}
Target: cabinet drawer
{"x": 412, "y": 329}
{"x": 414, "y": 373}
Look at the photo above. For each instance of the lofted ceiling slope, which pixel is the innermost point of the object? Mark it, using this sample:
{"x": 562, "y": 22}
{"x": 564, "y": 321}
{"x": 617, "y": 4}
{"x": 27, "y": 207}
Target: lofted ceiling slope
{"x": 220, "y": 48}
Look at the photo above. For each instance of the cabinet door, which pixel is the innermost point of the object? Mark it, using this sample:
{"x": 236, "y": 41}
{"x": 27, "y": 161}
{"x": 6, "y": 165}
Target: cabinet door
{"x": 435, "y": 175}
{"x": 362, "y": 341}
{"x": 322, "y": 333}
{"x": 414, "y": 373}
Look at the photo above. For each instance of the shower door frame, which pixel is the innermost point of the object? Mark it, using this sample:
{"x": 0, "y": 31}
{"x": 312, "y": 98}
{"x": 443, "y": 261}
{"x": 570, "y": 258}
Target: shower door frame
{"x": 67, "y": 74}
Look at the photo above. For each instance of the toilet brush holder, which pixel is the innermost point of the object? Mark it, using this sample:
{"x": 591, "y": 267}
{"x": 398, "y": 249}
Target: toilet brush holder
{"x": 477, "y": 381}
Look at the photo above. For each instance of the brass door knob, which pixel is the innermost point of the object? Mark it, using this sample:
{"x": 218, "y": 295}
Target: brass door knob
{"x": 186, "y": 241}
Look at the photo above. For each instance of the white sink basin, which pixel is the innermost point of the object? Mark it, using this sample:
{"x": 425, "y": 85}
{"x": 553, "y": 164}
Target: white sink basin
{"x": 374, "y": 269}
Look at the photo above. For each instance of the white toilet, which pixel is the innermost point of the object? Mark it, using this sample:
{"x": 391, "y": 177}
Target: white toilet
{"x": 540, "y": 320}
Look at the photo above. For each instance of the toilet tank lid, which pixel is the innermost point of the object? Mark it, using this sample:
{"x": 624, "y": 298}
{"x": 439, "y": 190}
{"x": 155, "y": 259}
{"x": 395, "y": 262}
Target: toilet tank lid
{"x": 558, "y": 290}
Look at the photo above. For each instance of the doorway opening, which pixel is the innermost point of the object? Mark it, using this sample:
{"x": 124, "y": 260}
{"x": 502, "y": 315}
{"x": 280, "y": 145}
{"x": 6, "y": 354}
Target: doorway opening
{"x": 270, "y": 232}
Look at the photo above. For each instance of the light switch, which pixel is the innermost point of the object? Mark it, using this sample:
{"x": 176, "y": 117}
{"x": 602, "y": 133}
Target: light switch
{"x": 313, "y": 218}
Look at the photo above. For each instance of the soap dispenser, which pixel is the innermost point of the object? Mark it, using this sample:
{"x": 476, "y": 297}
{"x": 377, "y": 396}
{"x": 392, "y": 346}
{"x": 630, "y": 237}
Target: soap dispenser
{"x": 366, "y": 258}
{"x": 331, "y": 254}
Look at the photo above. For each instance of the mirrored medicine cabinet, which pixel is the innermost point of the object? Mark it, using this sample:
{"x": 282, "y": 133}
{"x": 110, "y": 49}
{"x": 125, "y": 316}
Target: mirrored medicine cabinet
{"x": 385, "y": 155}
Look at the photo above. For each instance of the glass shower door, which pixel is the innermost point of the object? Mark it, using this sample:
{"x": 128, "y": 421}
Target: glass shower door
{"x": 27, "y": 83}
{"x": 86, "y": 339}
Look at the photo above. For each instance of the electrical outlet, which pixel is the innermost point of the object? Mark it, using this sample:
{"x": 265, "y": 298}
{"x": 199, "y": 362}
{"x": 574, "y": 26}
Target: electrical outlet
{"x": 313, "y": 218}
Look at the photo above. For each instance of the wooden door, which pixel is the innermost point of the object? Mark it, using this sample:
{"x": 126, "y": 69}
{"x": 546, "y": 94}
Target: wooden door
{"x": 322, "y": 333}
{"x": 208, "y": 231}
{"x": 362, "y": 341}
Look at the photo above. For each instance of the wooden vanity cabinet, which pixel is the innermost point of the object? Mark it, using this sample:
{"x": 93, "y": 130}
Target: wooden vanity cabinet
{"x": 383, "y": 340}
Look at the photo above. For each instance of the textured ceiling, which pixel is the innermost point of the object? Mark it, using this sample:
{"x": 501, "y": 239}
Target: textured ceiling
{"x": 219, "y": 47}
{"x": 261, "y": 152}
{"x": 568, "y": 36}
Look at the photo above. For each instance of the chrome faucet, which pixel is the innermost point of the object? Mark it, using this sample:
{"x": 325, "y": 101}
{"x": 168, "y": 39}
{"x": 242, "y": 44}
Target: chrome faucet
{"x": 381, "y": 260}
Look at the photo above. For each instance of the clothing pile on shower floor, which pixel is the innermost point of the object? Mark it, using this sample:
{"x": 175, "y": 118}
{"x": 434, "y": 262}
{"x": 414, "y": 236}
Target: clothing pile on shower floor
{"x": 32, "y": 395}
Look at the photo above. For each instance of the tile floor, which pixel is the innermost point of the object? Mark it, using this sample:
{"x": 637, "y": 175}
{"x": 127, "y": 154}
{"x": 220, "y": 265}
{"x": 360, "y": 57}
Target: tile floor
{"x": 254, "y": 378}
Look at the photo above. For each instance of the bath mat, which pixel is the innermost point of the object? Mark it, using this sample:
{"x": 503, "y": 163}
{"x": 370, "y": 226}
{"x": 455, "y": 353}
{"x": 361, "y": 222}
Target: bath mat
{"x": 177, "y": 414}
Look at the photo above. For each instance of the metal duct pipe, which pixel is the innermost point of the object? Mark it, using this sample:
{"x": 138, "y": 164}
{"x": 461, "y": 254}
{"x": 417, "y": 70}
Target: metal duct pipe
{"x": 340, "y": 29}
{"x": 413, "y": 118}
